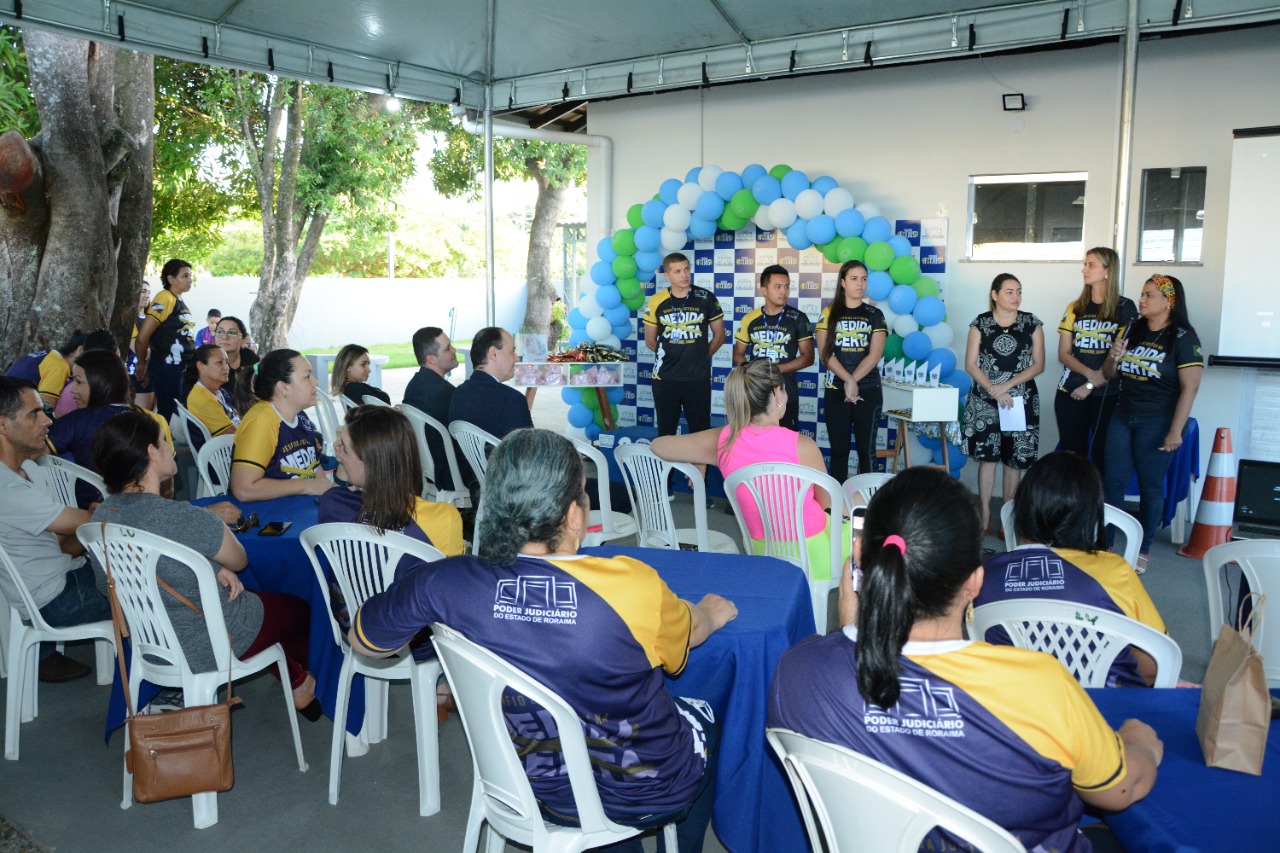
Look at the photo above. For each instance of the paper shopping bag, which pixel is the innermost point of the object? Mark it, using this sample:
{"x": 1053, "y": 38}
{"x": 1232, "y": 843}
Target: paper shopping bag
{"x": 1235, "y": 707}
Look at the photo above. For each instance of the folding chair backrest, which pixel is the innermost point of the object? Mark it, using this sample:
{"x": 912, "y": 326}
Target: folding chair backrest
{"x": 347, "y": 403}
{"x": 1006, "y": 524}
{"x": 328, "y": 416}
{"x": 1129, "y": 526}
{"x": 646, "y": 478}
{"x": 214, "y": 464}
{"x": 60, "y": 476}
{"x": 864, "y": 485}
{"x": 363, "y": 560}
{"x": 475, "y": 444}
{"x": 14, "y": 593}
{"x": 589, "y": 452}
{"x": 421, "y": 423}
{"x": 1086, "y": 640}
{"x": 1259, "y": 563}
{"x": 777, "y": 490}
{"x": 370, "y": 400}
{"x": 852, "y": 803}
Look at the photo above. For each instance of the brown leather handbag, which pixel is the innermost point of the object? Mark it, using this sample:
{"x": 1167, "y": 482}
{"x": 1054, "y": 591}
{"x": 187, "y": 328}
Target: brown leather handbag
{"x": 174, "y": 753}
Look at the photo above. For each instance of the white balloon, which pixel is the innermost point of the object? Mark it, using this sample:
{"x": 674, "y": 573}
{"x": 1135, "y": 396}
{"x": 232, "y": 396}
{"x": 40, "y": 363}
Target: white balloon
{"x": 869, "y": 209}
{"x": 611, "y": 341}
{"x": 672, "y": 240}
{"x": 676, "y": 217}
{"x": 707, "y": 177}
{"x": 889, "y": 317}
{"x": 687, "y": 196}
{"x": 837, "y": 201}
{"x": 904, "y": 325}
{"x": 598, "y": 328}
{"x": 588, "y": 306}
{"x": 762, "y": 220}
{"x": 940, "y": 335}
{"x": 808, "y": 204}
{"x": 782, "y": 213}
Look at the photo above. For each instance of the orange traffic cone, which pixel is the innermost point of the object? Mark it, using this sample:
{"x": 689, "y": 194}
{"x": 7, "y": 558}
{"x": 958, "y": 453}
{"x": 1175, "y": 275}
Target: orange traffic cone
{"x": 1217, "y": 500}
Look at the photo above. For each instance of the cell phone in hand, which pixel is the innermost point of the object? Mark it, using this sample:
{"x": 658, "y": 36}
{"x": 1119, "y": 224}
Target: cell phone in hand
{"x": 859, "y": 517}
{"x": 274, "y": 528}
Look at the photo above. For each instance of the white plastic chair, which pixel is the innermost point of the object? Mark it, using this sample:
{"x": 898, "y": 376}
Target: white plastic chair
{"x": 475, "y": 444}
{"x": 854, "y": 803}
{"x": 1087, "y": 640}
{"x": 501, "y": 795}
{"x": 155, "y": 654}
{"x": 777, "y": 490}
{"x": 364, "y": 562}
{"x": 186, "y": 423}
{"x": 864, "y": 485}
{"x": 646, "y": 477}
{"x": 1112, "y": 516}
{"x": 59, "y": 477}
{"x": 214, "y": 464}
{"x": 614, "y": 525}
{"x": 22, "y": 702}
{"x": 347, "y": 403}
{"x": 328, "y": 417}
{"x": 422, "y": 422}
{"x": 370, "y": 400}
{"x": 1259, "y": 562}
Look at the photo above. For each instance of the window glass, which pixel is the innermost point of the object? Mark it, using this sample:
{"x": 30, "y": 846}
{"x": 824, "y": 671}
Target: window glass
{"x": 1172, "y": 215}
{"x": 1027, "y": 217}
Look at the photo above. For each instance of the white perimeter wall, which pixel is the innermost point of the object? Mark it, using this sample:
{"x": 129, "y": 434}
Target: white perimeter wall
{"x": 908, "y": 138}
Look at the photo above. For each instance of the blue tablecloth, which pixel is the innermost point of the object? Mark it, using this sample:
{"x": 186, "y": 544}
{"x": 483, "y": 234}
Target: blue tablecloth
{"x": 1192, "y": 807}
{"x": 754, "y": 809}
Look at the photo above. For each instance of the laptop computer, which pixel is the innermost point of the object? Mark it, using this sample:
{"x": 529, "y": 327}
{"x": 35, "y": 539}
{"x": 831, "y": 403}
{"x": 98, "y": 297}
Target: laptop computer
{"x": 1257, "y": 509}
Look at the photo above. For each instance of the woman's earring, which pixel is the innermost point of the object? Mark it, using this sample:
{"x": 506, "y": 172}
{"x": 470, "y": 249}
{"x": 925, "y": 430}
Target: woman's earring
{"x": 968, "y": 614}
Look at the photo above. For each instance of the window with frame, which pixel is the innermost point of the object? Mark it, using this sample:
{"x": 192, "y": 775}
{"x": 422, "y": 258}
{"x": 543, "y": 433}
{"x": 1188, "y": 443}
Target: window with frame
{"x": 1033, "y": 217}
{"x": 1172, "y": 215}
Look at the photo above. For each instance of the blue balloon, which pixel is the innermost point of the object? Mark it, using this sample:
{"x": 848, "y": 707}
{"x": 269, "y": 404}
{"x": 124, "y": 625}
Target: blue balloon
{"x": 571, "y": 395}
{"x": 929, "y": 442}
{"x": 578, "y": 338}
{"x": 592, "y": 430}
{"x": 916, "y": 346}
{"x": 648, "y": 239}
{"x": 615, "y": 395}
{"x": 580, "y": 415}
{"x": 879, "y": 285}
{"x": 929, "y": 311}
{"x": 767, "y": 189}
{"x": 877, "y": 230}
{"x": 959, "y": 379}
{"x": 945, "y": 358}
{"x": 647, "y": 274}
{"x": 825, "y": 184}
{"x": 578, "y": 320}
{"x": 622, "y": 330}
{"x": 602, "y": 272}
{"x": 607, "y": 296}
{"x": 651, "y": 212}
{"x": 794, "y": 183}
{"x": 709, "y": 206}
{"x": 605, "y": 250}
{"x": 669, "y": 189}
{"x": 821, "y": 229}
{"x": 902, "y": 299}
{"x": 753, "y": 173}
{"x": 957, "y": 458}
{"x": 849, "y": 223}
{"x": 649, "y": 260}
{"x": 701, "y": 227}
{"x": 616, "y": 315}
{"x": 727, "y": 184}
{"x": 900, "y": 245}
{"x": 691, "y": 176}
{"x": 798, "y": 234}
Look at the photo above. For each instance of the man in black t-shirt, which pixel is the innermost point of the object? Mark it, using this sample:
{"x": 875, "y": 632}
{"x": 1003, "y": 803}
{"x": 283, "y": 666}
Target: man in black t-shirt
{"x": 780, "y": 333}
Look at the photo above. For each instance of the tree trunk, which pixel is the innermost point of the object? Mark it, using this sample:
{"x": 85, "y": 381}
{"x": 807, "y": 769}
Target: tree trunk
{"x": 24, "y": 217}
{"x": 136, "y": 104}
{"x": 546, "y": 217}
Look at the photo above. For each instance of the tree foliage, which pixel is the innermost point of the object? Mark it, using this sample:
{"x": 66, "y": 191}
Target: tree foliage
{"x": 17, "y": 107}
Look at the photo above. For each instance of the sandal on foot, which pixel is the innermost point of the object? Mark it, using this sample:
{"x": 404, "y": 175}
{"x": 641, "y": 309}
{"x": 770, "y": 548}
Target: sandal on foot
{"x": 1143, "y": 559}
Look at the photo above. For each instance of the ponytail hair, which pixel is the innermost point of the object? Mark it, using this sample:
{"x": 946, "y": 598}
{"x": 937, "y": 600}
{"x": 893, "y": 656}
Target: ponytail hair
{"x": 747, "y": 392}
{"x": 938, "y": 519}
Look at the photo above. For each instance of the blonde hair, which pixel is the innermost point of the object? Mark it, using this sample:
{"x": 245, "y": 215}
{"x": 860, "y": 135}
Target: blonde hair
{"x": 748, "y": 391}
{"x": 1111, "y": 263}
{"x": 347, "y": 356}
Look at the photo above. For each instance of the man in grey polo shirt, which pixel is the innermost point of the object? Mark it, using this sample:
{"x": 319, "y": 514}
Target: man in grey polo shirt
{"x": 39, "y": 533}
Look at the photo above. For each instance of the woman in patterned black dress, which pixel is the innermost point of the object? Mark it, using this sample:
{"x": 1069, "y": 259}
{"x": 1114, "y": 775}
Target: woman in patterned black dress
{"x": 1004, "y": 355}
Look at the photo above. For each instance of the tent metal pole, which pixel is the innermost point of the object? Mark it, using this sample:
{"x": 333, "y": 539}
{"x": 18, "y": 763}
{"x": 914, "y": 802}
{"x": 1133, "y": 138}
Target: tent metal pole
{"x": 490, "y": 309}
{"x": 1120, "y": 232}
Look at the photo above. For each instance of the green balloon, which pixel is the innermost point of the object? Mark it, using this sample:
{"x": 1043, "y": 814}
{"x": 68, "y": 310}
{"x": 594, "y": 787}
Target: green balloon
{"x": 624, "y": 266}
{"x": 893, "y": 347}
{"x": 830, "y": 250}
{"x": 851, "y": 249}
{"x": 599, "y": 415}
{"x": 630, "y": 287}
{"x": 904, "y": 270}
{"x": 634, "y": 219}
{"x": 590, "y": 400}
{"x": 635, "y": 303}
{"x": 624, "y": 243}
{"x": 924, "y": 286}
{"x": 779, "y": 170}
{"x": 877, "y": 257}
{"x": 730, "y": 222}
{"x": 744, "y": 204}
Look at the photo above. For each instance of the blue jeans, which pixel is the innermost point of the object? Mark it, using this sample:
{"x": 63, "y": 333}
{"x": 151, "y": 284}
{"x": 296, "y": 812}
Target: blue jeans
{"x": 78, "y": 603}
{"x": 1133, "y": 443}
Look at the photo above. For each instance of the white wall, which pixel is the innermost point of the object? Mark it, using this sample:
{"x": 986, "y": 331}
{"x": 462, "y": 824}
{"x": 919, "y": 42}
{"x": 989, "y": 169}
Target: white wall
{"x": 908, "y": 138}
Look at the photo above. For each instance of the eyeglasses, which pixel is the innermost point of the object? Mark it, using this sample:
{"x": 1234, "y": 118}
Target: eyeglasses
{"x": 221, "y": 334}
{"x": 242, "y": 524}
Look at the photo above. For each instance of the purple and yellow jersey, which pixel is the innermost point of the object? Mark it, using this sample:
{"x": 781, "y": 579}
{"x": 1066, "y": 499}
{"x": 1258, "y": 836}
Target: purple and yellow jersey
{"x": 599, "y": 631}
{"x": 213, "y": 410}
{"x": 172, "y": 340}
{"x": 47, "y": 369}
{"x": 1007, "y": 732}
{"x": 282, "y": 450}
{"x": 1101, "y": 579}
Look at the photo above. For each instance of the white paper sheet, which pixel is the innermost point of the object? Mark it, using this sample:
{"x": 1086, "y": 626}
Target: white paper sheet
{"x": 1014, "y": 419}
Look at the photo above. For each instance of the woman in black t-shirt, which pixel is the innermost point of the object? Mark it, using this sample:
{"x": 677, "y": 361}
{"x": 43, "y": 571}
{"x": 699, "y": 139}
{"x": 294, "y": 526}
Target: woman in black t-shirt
{"x": 351, "y": 376}
{"x": 164, "y": 344}
{"x": 850, "y": 337}
{"x": 1085, "y": 401}
{"x": 1159, "y": 366}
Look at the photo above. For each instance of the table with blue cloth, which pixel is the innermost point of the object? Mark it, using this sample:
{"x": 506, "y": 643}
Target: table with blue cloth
{"x": 732, "y": 670}
{"x": 1192, "y": 807}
